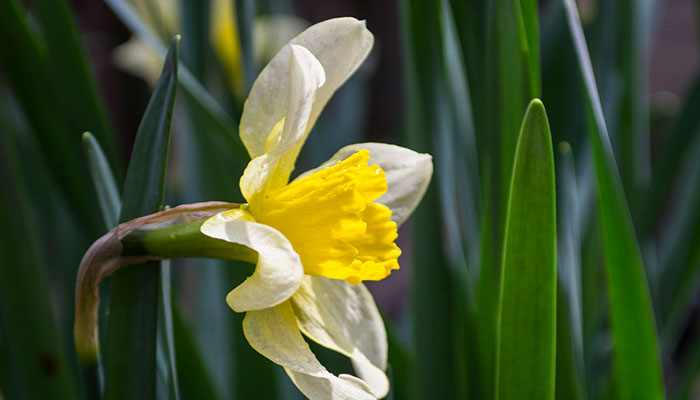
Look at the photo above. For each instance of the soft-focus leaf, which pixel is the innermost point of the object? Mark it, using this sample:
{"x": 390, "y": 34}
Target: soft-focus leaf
{"x": 245, "y": 17}
{"x": 167, "y": 336}
{"x": 75, "y": 84}
{"x": 570, "y": 321}
{"x": 26, "y": 68}
{"x": 38, "y": 365}
{"x": 432, "y": 299}
{"x": 193, "y": 380}
{"x": 129, "y": 357}
{"x": 527, "y": 314}
{"x": 637, "y": 361}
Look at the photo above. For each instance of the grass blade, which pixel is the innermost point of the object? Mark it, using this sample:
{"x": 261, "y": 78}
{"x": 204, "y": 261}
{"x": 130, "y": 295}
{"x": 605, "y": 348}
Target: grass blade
{"x": 668, "y": 163}
{"x": 432, "y": 302}
{"x": 637, "y": 363}
{"x": 80, "y": 102}
{"x": 105, "y": 184}
{"x": 26, "y": 69}
{"x": 167, "y": 336}
{"x": 38, "y": 364}
{"x": 131, "y": 330}
{"x": 527, "y": 316}
{"x": 194, "y": 382}
{"x": 245, "y": 17}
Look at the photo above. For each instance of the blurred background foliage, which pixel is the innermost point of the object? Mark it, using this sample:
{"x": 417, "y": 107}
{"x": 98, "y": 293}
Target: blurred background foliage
{"x": 621, "y": 86}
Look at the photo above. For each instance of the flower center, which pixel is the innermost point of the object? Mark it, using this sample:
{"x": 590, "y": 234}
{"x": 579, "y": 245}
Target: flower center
{"x": 331, "y": 221}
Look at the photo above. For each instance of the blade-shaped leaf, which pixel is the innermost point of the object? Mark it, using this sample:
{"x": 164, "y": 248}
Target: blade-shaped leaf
{"x": 245, "y": 17}
{"x": 527, "y": 315}
{"x": 79, "y": 100}
{"x": 25, "y": 67}
{"x": 432, "y": 298}
{"x": 194, "y": 382}
{"x": 131, "y": 330}
{"x": 103, "y": 179}
{"x": 38, "y": 364}
{"x": 166, "y": 340}
{"x": 638, "y": 367}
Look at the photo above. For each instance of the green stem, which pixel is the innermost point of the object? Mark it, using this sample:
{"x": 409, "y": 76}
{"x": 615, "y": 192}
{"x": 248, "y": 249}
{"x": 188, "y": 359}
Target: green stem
{"x": 183, "y": 240}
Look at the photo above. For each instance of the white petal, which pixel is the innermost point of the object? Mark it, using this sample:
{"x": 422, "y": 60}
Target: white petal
{"x": 344, "y": 318}
{"x": 407, "y": 173}
{"x": 273, "y": 332}
{"x": 272, "y": 168}
{"x": 278, "y": 272}
{"x": 340, "y": 44}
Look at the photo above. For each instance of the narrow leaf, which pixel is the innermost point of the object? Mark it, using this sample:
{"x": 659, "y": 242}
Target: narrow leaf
{"x": 131, "y": 329}
{"x": 527, "y": 315}
{"x": 79, "y": 100}
{"x": 38, "y": 364}
{"x": 105, "y": 184}
{"x": 27, "y": 70}
{"x": 637, "y": 361}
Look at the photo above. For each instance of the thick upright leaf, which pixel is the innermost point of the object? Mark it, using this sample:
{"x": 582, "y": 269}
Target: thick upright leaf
{"x": 637, "y": 363}
{"x": 38, "y": 365}
{"x": 527, "y": 315}
{"x": 131, "y": 329}
{"x": 79, "y": 100}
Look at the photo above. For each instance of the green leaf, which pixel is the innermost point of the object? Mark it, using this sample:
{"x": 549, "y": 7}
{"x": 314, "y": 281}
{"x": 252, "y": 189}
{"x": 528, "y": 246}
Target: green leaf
{"x": 167, "y": 336}
{"x": 571, "y": 369}
{"x": 32, "y": 345}
{"x": 527, "y": 314}
{"x": 194, "y": 381}
{"x": 679, "y": 252}
{"x": 637, "y": 363}
{"x": 75, "y": 83}
{"x": 103, "y": 179}
{"x": 432, "y": 302}
{"x": 129, "y": 357}
{"x": 671, "y": 153}
{"x": 26, "y": 68}
{"x": 568, "y": 378}
{"x": 517, "y": 82}
{"x": 245, "y": 17}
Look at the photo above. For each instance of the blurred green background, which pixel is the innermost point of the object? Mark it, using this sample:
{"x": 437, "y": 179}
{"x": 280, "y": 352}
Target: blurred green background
{"x": 469, "y": 314}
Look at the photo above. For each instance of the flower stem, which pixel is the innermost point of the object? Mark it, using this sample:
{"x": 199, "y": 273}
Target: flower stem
{"x": 183, "y": 240}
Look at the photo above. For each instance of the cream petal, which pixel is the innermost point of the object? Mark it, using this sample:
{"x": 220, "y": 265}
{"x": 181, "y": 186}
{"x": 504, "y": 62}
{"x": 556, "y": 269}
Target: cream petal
{"x": 278, "y": 272}
{"x": 343, "y": 387}
{"x": 344, "y": 318}
{"x": 340, "y": 45}
{"x": 273, "y": 332}
{"x": 407, "y": 173}
{"x": 272, "y": 168}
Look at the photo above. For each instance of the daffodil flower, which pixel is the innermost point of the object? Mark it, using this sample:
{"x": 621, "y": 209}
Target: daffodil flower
{"x": 321, "y": 235}
{"x": 314, "y": 240}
